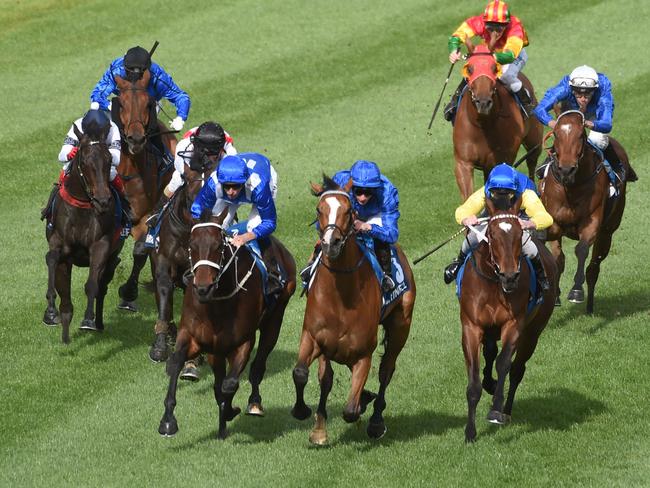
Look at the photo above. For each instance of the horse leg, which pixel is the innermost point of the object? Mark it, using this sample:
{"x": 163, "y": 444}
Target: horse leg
{"x": 63, "y": 277}
{"x": 306, "y": 354}
{"x": 218, "y": 364}
{"x": 464, "y": 171}
{"x": 525, "y": 349}
{"x": 509, "y": 335}
{"x": 159, "y": 350}
{"x": 318, "y": 434}
{"x": 558, "y": 255}
{"x": 598, "y": 254}
{"x": 577, "y": 294}
{"x": 230, "y": 384}
{"x": 360, "y": 370}
{"x": 269, "y": 333}
{"x": 168, "y": 424}
{"x": 472, "y": 338}
{"x": 51, "y": 315}
{"x": 106, "y": 278}
{"x": 98, "y": 253}
{"x": 129, "y": 291}
{"x": 490, "y": 351}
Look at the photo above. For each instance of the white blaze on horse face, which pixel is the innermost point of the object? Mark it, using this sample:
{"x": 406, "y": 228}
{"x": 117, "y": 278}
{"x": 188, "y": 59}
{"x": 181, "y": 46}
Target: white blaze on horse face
{"x": 566, "y": 128}
{"x": 334, "y": 205}
{"x": 505, "y": 226}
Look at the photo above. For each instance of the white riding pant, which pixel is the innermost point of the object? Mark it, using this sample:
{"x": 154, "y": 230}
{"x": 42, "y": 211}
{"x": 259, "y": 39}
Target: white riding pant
{"x": 528, "y": 247}
{"x": 598, "y": 139}
{"x": 510, "y": 71}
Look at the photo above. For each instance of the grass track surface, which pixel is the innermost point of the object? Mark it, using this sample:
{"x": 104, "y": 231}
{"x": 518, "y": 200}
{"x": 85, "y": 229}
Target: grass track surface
{"x": 314, "y": 85}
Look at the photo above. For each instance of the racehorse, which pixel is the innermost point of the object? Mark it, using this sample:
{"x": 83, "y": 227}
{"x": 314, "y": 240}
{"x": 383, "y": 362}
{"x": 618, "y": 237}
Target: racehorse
{"x": 134, "y": 111}
{"x": 171, "y": 259}
{"x": 83, "y": 232}
{"x": 342, "y": 317}
{"x": 489, "y": 125}
{"x": 576, "y": 194}
{"x": 223, "y": 307}
{"x": 494, "y": 298}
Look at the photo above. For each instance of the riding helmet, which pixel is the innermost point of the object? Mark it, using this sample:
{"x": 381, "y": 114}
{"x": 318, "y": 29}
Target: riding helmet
{"x": 95, "y": 123}
{"x": 502, "y": 177}
{"x": 136, "y": 61}
{"x": 365, "y": 174}
{"x": 584, "y": 77}
{"x": 209, "y": 138}
{"x": 232, "y": 169}
{"x": 497, "y": 11}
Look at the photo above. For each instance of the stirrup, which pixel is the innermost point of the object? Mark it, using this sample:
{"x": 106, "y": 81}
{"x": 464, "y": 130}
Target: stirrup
{"x": 387, "y": 283}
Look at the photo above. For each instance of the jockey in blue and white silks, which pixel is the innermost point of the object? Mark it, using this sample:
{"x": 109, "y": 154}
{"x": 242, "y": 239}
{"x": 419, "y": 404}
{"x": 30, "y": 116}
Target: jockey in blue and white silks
{"x": 376, "y": 203}
{"x": 241, "y": 179}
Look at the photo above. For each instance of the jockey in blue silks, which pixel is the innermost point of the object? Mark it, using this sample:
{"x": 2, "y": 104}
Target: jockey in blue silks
{"x": 240, "y": 179}
{"x": 590, "y": 93}
{"x": 375, "y": 202}
{"x": 131, "y": 67}
{"x": 503, "y": 187}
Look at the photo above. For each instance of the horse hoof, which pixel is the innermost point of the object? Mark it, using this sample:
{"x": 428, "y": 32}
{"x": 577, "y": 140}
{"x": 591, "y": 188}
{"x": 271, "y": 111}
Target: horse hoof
{"x": 159, "y": 351}
{"x": 301, "y": 413}
{"x": 232, "y": 413}
{"x": 87, "y": 324}
{"x": 376, "y": 431}
{"x": 168, "y": 429}
{"x": 222, "y": 434}
{"x": 495, "y": 417}
{"x": 318, "y": 437}
{"x": 576, "y": 296}
{"x": 128, "y": 306}
{"x": 255, "y": 409}
{"x": 190, "y": 373}
{"x": 51, "y": 318}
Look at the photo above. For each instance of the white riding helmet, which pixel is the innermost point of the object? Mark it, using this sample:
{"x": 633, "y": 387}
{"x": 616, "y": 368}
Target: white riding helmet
{"x": 583, "y": 77}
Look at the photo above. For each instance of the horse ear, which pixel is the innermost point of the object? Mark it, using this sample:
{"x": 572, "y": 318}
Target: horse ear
{"x": 470, "y": 46}
{"x": 146, "y": 76}
{"x": 489, "y": 205}
{"x": 222, "y": 216}
{"x": 348, "y": 186}
{"x": 316, "y": 189}
{"x": 77, "y": 132}
{"x": 517, "y": 205}
{"x": 470, "y": 69}
{"x": 121, "y": 82}
{"x": 206, "y": 215}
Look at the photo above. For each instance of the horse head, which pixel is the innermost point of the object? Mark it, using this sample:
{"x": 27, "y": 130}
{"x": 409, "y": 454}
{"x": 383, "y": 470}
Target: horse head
{"x": 481, "y": 72}
{"x": 92, "y": 168}
{"x": 569, "y": 139}
{"x": 335, "y": 215}
{"x": 198, "y": 168}
{"x": 137, "y": 111}
{"x": 504, "y": 234}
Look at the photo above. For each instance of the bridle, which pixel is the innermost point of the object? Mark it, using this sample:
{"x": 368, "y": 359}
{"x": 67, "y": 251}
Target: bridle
{"x": 492, "y": 262}
{"x": 77, "y": 166}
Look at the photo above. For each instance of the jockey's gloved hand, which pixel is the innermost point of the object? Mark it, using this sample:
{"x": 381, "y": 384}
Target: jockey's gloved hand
{"x": 72, "y": 153}
{"x": 177, "y": 123}
{"x": 94, "y": 106}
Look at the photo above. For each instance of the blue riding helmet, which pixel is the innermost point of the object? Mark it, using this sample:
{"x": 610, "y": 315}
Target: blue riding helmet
{"x": 94, "y": 123}
{"x": 365, "y": 174}
{"x": 502, "y": 177}
{"x": 232, "y": 169}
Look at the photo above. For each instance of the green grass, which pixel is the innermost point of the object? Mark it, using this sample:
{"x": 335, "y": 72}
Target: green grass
{"x": 314, "y": 86}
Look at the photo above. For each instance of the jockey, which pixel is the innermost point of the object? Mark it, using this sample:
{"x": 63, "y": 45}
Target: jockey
{"x": 504, "y": 185}
{"x": 375, "y": 203}
{"x": 132, "y": 67}
{"x": 95, "y": 123}
{"x": 590, "y": 93}
{"x": 239, "y": 179}
{"x": 506, "y": 36}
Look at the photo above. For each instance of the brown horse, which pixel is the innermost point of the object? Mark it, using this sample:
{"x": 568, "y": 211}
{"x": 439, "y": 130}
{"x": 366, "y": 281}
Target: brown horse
{"x": 493, "y": 304}
{"x": 223, "y": 307}
{"x": 82, "y": 233}
{"x": 342, "y": 318}
{"x": 139, "y": 168}
{"x": 171, "y": 259}
{"x": 490, "y": 126}
{"x": 576, "y": 194}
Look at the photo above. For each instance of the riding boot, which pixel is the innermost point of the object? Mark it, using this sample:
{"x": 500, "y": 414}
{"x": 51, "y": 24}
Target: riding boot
{"x": 305, "y": 274}
{"x": 46, "y": 213}
{"x": 157, "y": 143}
{"x": 451, "y": 271}
{"x": 382, "y": 251}
{"x": 157, "y": 212}
{"x": 526, "y": 100}
{"x": 614, "y": 162}
{"x": 275, "y": 283}
{"x": 542, "y": 280}
{"x": 449, "y": 111}
{"x": 127, "y": 217}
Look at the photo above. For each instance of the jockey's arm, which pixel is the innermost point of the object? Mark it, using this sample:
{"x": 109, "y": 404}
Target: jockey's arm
{"x": 179, "y": 167}
{"x": 168, "y": 89}
{"x": 69, "y": 143}
{"x": 229, "y": 147}
{"x": 388, "y": 230}
{"x": 103, "y": 89}
{"x": 472, "y": 206}
{"x": 510, "y": 51}
{"x": 534, "y": 208}
{"x": 114, "y": 143}
{"x": 267, "y": 212}
{"x": 551, "y": 97}
{"x": 461, "y": 34}
{"x": 206, "y": 198}
{"x": 604, "y": 109}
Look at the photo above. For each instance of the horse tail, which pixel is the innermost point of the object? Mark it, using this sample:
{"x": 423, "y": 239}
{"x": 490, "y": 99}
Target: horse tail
{"x": 631, "y": 174}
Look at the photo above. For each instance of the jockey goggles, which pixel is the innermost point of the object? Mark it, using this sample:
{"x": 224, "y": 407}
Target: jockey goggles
{"x": 361, "y": 190}
{"x": 495, "y": 26}
{"x": 232, "y": 186}
{"x": 578, "y": 91}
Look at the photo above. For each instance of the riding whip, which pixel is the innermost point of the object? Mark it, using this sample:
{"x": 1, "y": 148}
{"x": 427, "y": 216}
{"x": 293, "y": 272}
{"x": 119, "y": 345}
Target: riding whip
{"x": 153, "y": 48}
{"x": 435, "y": 110}
{"x": 521, "y": 159}
{"x": 460, "y": 231}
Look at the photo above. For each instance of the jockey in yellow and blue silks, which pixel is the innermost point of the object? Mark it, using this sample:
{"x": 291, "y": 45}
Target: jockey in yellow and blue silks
{"x": 131, "y": 67}
{"x": 376, "y": 205}
{"x": 589, "y": 92}
{"x": 241, "y": 179}
{"x": 504, "y": 184}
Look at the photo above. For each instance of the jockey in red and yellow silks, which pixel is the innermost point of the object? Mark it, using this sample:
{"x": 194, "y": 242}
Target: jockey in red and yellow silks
{"x": 506, "y": 36}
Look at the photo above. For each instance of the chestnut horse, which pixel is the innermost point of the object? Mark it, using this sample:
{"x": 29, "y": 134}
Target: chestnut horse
{"x": 489, "y": 125}
{"x": 171, "y": 259}
{"x": 576, "y": 194}
{"x": 342, "y": 317}
{"x": 139, "y": 168}
{"x": 223, "y": 307}
{"x": 82, "y": 233}
{"x": 493, "y": 304}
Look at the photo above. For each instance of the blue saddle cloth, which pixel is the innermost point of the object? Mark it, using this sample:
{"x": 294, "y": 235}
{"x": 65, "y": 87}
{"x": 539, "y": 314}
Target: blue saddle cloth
{"x": 533, "y": 298}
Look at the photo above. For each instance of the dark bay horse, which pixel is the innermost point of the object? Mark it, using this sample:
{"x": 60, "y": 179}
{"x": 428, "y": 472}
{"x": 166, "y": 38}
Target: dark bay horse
{"x": 139, "y": 168}
{"x": 493, "y": 305}
{"x": 83, "y": 233}
{"x": 342, "y": 318}
{"x": 489, "y": 125}
{"x": 576, "y": 194}
{"x": 223, "y": 308}
{"x": 171, "y": 260}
